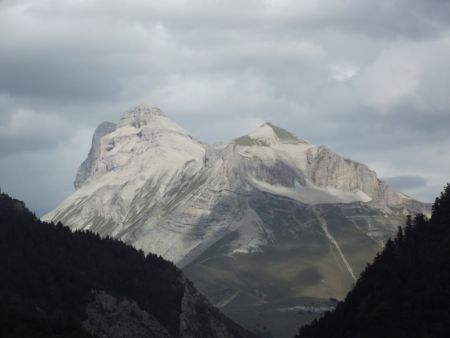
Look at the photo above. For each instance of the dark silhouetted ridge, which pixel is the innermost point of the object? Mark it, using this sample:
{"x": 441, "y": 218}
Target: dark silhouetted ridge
{"x": 49, "y": 274}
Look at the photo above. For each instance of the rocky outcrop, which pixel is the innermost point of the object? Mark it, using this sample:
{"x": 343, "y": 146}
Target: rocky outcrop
{"x": 139, "y": 116}
{"x": 109, "y": 317}
{"x": 87, "y": 168}
{"x": 328, "y": 169}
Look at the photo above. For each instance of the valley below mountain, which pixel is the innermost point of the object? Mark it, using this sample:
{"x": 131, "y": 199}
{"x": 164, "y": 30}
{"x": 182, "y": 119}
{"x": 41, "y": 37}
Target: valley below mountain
{"x": 270, "y": 227}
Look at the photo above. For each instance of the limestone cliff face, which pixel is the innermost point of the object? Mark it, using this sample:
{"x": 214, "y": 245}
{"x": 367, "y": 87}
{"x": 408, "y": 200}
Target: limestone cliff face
{"x": 328, "y": 169}
{"x": 87, "y": 168}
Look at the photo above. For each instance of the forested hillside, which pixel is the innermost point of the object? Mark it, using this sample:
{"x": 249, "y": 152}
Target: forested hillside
{"x": 405, "y": 292}
{"x": 49, "y": 275}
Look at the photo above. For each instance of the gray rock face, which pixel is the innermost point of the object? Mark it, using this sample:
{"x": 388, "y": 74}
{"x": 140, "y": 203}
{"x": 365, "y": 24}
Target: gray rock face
{"x": 139, "y": 116}
{"x": 88, "y": 166}
{"x": 328, "y": 169}
{"x": 108, "y": 317}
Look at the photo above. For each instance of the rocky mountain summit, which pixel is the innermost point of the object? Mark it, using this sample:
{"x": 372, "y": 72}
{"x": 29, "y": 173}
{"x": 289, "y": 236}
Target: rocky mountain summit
{"x": 267, "y": 220}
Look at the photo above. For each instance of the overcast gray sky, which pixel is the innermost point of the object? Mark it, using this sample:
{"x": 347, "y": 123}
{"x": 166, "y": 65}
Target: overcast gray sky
{"x": 370, "y": 79}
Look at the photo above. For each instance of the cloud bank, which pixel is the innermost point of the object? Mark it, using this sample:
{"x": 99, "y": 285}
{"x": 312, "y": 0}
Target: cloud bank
{"x": 368, "y": 79}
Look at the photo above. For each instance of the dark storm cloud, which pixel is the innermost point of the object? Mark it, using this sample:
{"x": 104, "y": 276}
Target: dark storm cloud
{"x": 368, "y": 78}
{"x": 27, "y": 131}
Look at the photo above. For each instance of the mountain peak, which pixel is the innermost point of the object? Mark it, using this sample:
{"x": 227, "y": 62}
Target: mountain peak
{"x": 269, "y": 134}
{"x": 140, "y": 115}
{"x": 147, "y": 117}
{"x": 145, "y": 109}
{"x": 268, "y": 124}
